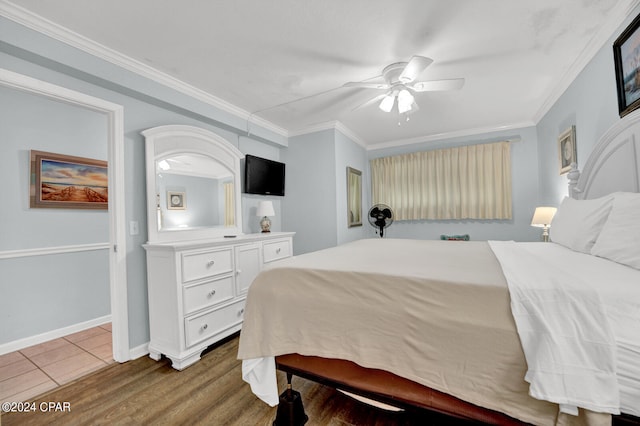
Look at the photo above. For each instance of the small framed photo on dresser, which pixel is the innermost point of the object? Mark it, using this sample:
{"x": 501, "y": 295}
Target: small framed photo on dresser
{"x": 176, "y": 200}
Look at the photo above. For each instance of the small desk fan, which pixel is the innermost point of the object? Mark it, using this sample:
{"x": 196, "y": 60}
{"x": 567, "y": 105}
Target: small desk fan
{"x": 380, "y": 217}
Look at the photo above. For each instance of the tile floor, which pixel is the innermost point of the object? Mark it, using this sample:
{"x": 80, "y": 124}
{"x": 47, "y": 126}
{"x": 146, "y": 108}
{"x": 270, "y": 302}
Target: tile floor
{"x": 27, "y": 373}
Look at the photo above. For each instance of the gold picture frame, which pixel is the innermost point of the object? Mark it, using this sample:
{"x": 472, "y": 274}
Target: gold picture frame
{"x": 354, "y": 197}
{"x": 567, "y": 151}
{"x": 67, "y": 182}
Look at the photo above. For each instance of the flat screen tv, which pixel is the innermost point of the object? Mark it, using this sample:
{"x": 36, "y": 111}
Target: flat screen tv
{"x": 262, "y": 176}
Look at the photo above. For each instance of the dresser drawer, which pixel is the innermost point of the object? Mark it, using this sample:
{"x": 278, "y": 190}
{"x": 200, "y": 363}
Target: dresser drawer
{"x": 206, "y": 264}
{"x": 209, "y": 293}
{"x": 275, "y": 250}
{"x": 206, "y": 325}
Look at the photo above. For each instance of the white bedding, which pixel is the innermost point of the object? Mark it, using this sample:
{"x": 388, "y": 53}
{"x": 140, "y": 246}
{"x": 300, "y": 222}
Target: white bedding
{"x": 618, "y": 287}
{"x": 598, "y": 364}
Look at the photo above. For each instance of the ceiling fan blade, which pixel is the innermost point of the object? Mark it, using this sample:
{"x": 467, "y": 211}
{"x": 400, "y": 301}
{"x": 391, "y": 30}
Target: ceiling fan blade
{"x": 380, "y": 86}
{"x": 416, "y": 65}
{"x": 369, "y": 102}
{"x": 438, "y": 85}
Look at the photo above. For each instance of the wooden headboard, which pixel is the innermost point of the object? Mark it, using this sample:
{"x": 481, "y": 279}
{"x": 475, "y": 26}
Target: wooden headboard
{"x": 614, "y": 163}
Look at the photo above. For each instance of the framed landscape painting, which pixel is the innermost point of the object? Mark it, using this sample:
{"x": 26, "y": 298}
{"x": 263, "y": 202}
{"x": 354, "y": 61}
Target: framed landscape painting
{"x": 68, "y": 182}
{"x": 626, "y": 54}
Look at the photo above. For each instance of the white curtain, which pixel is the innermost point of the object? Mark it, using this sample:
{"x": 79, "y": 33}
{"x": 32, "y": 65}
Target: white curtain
{"x": 468, "y": 182}
{"x": 229, "y": 205}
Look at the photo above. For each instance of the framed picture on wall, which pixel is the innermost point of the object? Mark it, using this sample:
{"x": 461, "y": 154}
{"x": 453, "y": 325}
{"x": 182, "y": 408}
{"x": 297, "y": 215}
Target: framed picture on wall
{"x": 176, "y": 200}
{"x": 67, "y": 182}
{"x": 567, "y": 149}
{"x": 354, "y": 197}
{"x": 626, "y": 54}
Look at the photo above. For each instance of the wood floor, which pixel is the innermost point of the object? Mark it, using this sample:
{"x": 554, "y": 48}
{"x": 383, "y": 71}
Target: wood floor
{"x": 211, "y": 392}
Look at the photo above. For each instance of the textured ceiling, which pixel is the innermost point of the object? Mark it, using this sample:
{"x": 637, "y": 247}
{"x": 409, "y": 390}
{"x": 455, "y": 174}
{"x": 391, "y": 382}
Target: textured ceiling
{"x": 286, "y": 60}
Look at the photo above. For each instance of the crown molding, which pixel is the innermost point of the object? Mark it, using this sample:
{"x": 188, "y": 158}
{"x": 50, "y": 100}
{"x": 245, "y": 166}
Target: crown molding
{"x": 350, "y": 134}
{"x": 57, "y": 32}
{"x": 611, "y": 24}
{"x": 448, "y": 135}
{"x": 330, "y": 125}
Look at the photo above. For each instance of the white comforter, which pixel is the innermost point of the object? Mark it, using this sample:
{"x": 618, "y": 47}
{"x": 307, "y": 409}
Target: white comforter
{"x": 598, "y": 367}
{"x": 563, "y": 326}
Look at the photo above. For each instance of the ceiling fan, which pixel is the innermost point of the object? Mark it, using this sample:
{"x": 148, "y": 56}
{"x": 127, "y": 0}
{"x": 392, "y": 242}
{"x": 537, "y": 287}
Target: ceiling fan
{"x": 400, "y": 85}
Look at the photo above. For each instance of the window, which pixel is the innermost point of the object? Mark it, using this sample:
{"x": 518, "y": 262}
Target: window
{"x": 468, "y": 182}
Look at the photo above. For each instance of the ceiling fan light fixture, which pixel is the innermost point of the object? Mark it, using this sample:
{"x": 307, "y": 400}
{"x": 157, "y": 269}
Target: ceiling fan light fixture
{"x": 405, "y": 100}
{"x": 402, "y": 108}
{"x": 387, "y": 103}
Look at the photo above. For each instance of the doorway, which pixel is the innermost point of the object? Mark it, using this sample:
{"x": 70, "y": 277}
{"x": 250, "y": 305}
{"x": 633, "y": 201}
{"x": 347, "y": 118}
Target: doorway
{"x": 116, "y": 211}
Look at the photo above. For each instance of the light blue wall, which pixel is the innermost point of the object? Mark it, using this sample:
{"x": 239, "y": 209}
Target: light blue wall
{"x": 310, "y": 204}
{"x": 349, "y": 154}
{"x": 146, "y": 104}
{"x": 52, "y": 291}
{"x": 45, "y": 293}
{"x": 590, "y": 103}
{"x": 31, "y": 122}
{"x": 315, "y": 205}
{"x": 524, "y": 163}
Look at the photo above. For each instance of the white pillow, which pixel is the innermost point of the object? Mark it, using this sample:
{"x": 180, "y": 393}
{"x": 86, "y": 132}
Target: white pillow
{"x": 619, "y": 239}
{"x": 577, "y": 223}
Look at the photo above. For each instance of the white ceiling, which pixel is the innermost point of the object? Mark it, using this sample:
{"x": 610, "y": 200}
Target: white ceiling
{"x": 286, "y": 60}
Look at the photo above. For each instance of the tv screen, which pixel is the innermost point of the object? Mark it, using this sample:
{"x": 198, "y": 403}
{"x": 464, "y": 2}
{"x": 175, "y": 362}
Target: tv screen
{"x": 262, "y": 176}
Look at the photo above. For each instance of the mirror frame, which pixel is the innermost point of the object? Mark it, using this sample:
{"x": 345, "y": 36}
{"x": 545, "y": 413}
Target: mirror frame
{"x": 164, "y": 141}
{"x": 354, "y": 197}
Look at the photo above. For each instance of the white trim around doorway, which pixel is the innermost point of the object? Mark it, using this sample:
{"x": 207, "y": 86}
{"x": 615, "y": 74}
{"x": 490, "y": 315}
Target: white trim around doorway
{"x": 117, "y": 236}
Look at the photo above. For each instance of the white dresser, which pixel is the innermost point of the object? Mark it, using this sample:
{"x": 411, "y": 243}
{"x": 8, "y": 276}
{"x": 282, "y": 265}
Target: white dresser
{"x": 197, "y": 290}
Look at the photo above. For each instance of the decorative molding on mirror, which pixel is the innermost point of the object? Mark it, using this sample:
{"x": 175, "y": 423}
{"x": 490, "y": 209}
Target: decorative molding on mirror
{"x": 193, "y": 184}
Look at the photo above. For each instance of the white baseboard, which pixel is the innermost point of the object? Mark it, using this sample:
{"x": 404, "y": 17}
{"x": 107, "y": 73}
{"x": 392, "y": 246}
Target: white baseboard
{"x": 139, "y": 351}
{"x": 16, "y": 345}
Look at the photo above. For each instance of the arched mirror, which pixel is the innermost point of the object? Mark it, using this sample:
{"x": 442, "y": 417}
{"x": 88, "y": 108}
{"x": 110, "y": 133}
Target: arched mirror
{"x": 193, "y": 184}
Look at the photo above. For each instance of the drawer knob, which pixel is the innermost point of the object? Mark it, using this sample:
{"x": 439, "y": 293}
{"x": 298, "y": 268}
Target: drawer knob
{"x": 212, "y": 293}
{"x": 240, "y": 312}
{"x": 211, "y": 263}
{"x": 278, "y": 250}
{"x": 204, "y": 326}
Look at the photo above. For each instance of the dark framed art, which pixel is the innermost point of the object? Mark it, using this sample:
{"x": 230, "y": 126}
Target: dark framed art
{"x": 67, "y": 182}
{"x": 626, "y": 55}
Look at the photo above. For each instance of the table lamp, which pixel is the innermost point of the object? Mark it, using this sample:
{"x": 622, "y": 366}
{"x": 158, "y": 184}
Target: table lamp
{"x": 542, "y": 219}
{"x": 265, "y": 209}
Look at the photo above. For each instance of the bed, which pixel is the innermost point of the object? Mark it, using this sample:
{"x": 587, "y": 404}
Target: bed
{"x": 448, "y": 326}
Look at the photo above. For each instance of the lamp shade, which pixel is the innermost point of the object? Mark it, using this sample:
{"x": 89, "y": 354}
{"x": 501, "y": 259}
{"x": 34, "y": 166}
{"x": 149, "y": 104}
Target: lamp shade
{"x": 542, "y": 216}
{"x": 265, "y": 208}
{"x": 405, "y": 99}
{"x": 387, "y": 103}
